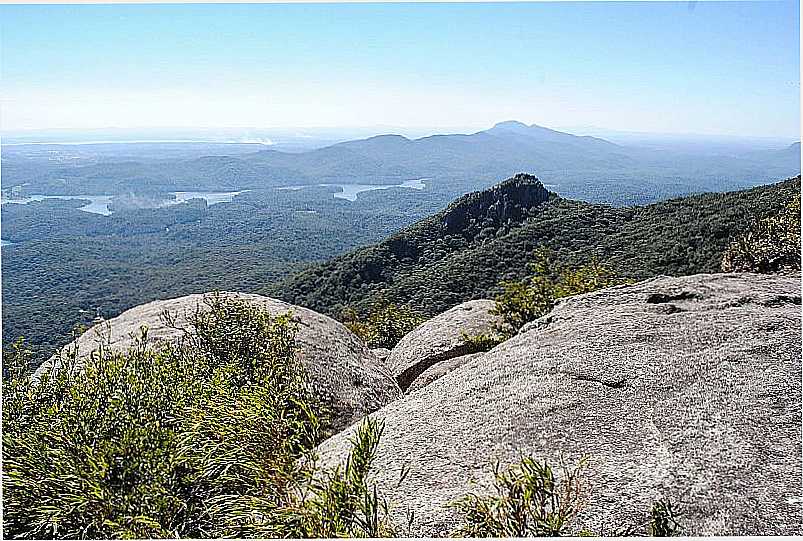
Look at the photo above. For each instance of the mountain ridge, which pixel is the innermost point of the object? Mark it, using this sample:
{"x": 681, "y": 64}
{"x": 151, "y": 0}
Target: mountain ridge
{"x": 583, "y": 167}
{"x": 433, "y": 266}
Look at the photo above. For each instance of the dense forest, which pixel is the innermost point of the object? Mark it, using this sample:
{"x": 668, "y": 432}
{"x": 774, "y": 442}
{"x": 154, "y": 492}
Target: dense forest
{"x": 434, "y": 265}
{"x": 65, "y": 265}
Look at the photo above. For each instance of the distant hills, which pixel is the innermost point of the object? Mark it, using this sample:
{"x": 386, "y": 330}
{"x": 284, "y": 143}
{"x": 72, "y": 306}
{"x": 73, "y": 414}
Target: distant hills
{"x": 581, "y": 167}
{"x": 464, "y": 251}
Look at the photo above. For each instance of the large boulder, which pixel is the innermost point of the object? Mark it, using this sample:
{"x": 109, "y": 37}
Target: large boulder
{"x": 686, "y": 388}
{"x": 440, "y": 339}
{"x": 349, "y": 378}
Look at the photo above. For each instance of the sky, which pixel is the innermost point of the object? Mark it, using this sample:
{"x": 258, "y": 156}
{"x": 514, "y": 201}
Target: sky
{"x": 729, "y": 68}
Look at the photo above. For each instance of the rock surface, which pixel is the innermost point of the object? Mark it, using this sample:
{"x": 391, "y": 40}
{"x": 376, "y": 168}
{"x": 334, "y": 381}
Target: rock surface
{"x": 681, "y": 388}
{"x": 381, "y": 353}
{"x": 439, "y": 339}
{"x": 343, "y": 372}
{"x": 437, "y": 371}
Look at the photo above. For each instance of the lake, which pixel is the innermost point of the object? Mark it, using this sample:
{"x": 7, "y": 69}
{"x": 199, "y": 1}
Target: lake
{"x": 350, "y": 191}
{"x": 99, "y": 204}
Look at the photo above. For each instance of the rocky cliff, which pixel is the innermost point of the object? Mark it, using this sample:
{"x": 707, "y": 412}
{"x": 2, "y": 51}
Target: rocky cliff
{"x": 505, "y": 203}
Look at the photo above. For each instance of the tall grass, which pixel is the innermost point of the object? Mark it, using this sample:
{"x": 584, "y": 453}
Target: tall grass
{"x": 767, "y": 245}
{"x": 209, "y": 437}
{"x": 529, "y": 501}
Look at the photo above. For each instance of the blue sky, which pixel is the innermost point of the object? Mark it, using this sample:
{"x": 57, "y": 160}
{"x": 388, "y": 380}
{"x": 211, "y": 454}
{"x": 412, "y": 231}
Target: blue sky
{"x": 704, "y": 67}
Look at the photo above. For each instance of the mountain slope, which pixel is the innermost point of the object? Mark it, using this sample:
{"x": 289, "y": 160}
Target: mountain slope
{"x": 463, "y": 252}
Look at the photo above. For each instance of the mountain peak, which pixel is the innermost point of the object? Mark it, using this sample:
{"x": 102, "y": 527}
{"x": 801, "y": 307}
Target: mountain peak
{"x": 532, "y": 131}
{"x": 505, "y": 203}
{"x": 510, "y": 125}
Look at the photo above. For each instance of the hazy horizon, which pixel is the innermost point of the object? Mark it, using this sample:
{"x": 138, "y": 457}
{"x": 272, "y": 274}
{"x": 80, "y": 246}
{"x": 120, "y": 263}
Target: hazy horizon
{"x": 258, "y": 135}
{"x": 714, "y": 69}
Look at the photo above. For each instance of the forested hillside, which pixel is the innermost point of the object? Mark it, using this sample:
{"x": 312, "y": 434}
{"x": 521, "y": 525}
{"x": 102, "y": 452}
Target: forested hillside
{"x": 434, "y": 264}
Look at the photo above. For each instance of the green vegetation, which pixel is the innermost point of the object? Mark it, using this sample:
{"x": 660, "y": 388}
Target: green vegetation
{"x": 343, "y": 502}
{"x": 529, "y": 502}
{"x": 432, "y": 268}
{"x": 384, "y": 325}
{"x": 480, "y": 343}
{"x": 662, "y": 522}
{"x": 66, "y": 262}
{"x": 770, "y": 244}
{"x": 212, "y": 437}
{"x": 526, "y": 300}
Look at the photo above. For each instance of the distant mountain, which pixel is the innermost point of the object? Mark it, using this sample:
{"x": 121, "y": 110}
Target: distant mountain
{"x": 515, "y": 128}
{"x": 464, "y": 251}
{"x": 581, "y": 167}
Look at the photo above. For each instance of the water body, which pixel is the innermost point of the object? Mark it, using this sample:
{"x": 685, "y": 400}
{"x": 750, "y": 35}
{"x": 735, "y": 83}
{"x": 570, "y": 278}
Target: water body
{"x": 350, "y": 191}
{"x": 5, "y": 242}
{"x": 99, "y": 204}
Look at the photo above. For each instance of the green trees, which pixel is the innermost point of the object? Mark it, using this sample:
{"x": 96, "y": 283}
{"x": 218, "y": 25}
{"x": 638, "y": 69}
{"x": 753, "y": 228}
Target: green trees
{"x": 432, "y": 269}
{"x": 769, "y": 244}
{"x": 525, "y": 300}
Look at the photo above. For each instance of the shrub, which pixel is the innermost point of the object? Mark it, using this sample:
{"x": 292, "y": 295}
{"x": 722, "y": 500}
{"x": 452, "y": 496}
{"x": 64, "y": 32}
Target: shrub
{"x": 526, "y": 300}
{"x": 662, "y": 522}
{"x": 212, "y": 437}
{"x": 480, "y": 343}
{"x": 769, "y": 244}
{"x": 384, "y": 324}
{"x": 529, "y": 502}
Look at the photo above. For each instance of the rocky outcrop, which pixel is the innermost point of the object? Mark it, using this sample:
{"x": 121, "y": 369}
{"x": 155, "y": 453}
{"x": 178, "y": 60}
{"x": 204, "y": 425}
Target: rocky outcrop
{"x": 506, "y": 202}
{"x": 440, "y": 339}
{"x": 681, "y": 388}
{"x": 349, "y": 378}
